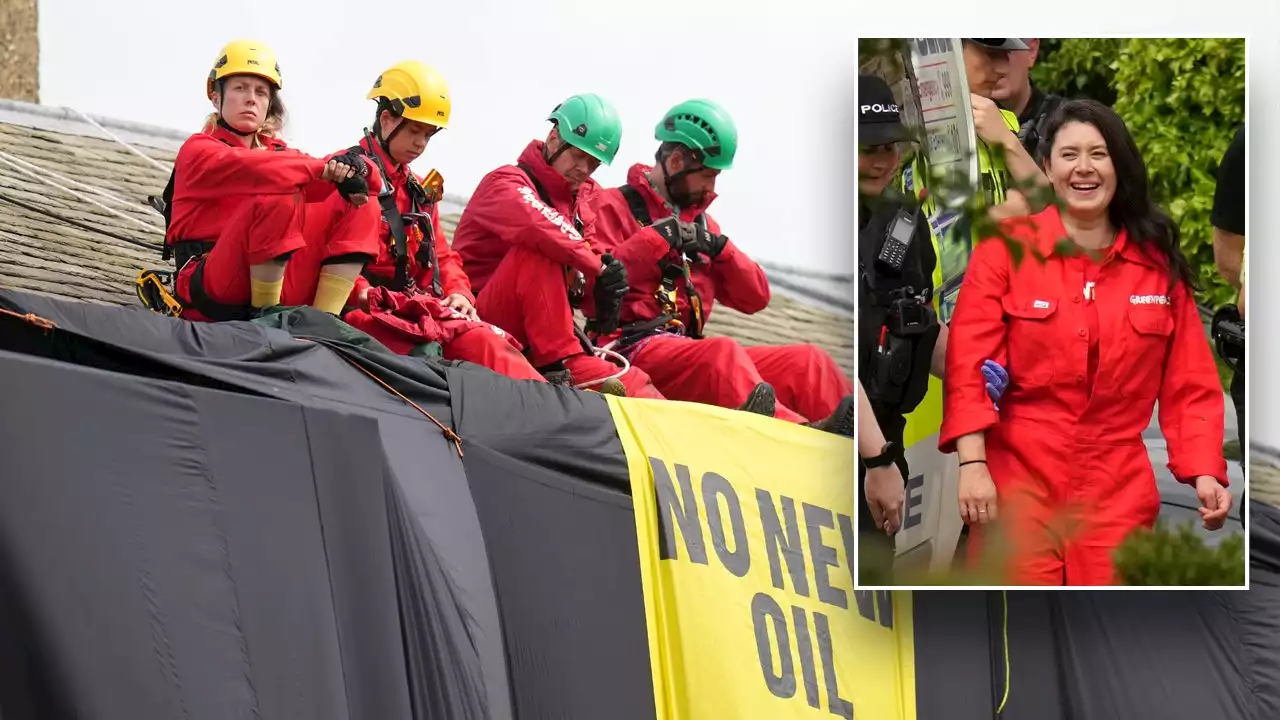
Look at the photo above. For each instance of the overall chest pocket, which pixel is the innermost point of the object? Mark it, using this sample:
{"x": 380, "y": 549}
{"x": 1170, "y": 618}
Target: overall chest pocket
{"x": 1031, "y": 339}
{"x": 1146, "y": 332}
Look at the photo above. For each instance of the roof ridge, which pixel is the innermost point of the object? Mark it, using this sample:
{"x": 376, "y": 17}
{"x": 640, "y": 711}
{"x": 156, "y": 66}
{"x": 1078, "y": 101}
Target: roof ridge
{"x": 66, "y": 120}
{"x": 807, "y": 272}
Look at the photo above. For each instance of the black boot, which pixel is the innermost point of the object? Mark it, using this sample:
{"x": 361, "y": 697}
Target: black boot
{"x": 761, "y": 400}
{"x": 840, "y": 422}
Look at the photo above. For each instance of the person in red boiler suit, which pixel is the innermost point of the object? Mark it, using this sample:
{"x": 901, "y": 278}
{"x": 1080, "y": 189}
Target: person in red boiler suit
{"x": 526, "y": 241}
{"x": 1095, "y": 333}
{"x": 238, "y": 198}
{"x": 678, "y": 265}
{"x": 415, "y": 291}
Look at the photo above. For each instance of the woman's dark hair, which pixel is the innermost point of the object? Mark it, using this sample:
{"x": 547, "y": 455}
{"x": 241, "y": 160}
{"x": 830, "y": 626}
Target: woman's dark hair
{"x": 1131, "y": 207}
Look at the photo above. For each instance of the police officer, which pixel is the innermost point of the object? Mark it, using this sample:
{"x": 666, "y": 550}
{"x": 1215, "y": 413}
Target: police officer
{"x": 901, "y": 342}
{"x": 1227, "y": 218}
{"x": 1016, "y": 93}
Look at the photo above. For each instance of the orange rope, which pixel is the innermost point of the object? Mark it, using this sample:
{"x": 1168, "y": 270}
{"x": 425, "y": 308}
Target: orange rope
{"x": 31, "y": 318}
{"x": 448, "y": 432}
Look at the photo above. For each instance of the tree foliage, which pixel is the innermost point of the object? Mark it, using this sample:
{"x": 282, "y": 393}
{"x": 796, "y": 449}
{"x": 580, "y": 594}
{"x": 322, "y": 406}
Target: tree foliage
{"x": 1183, "y": 100}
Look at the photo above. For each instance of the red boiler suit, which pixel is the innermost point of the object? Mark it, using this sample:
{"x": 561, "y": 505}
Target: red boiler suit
{"x": 522, "y": 251}
{"x": 1091, "y": 346}
{"x": 404, "y": 317}
{"x": 250, "y": 205}
{"x": 713, "y": 370}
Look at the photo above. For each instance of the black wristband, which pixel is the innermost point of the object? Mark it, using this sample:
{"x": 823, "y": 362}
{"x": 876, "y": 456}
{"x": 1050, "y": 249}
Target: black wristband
{"x": 888, "y": 456}
{"x": 972, "y": 462}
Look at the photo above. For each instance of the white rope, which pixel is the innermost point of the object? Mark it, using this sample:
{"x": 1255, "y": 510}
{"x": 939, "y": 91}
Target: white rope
{"x": 91, "y": 188}
{"x": 605, "y": 354}
{"x": 9, "y": 160}
{"x": 115, "y": 137}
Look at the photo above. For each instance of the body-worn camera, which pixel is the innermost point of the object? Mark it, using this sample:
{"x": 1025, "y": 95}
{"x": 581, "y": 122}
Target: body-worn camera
{"x": 899, "y": 364}
{"x": 909, "y": 313}
{"x": 1228, "y": 336}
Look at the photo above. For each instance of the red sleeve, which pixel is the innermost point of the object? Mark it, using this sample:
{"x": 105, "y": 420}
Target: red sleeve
{"x": 453, "y": 279}
{"x": 1191, "y": 406}
{"x": 740, "y": 282}
{"x": 640, "y": 254}
{"x": 977, "y": 332}
{"x": 210, "y": 169}
{"x": 320, "y": 190}
{"x": 506, "y": 206}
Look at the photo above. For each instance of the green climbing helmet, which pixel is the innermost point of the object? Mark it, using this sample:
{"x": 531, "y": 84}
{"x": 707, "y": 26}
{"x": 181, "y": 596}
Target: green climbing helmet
{"x": 704, "y": 126}
{"x": 589, "y": 123}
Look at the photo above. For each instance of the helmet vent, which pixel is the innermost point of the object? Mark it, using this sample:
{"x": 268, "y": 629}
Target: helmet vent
{"x": 699, "y": 122}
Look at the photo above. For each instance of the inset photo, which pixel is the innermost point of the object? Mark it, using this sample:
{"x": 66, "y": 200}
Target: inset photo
{"x": 1051, "y": 313}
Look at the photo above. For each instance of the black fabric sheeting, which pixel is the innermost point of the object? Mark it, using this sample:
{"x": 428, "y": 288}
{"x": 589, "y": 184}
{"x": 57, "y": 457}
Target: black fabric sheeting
{"x": 255, "y": 358}
{"x": 236, "y": 564}
{"x": 574, "y": 433}
{"x": 565, "y": 566}
{"x": 953, "y": 656}
{"x": 574, "y": 436}
{"x": 238, "y": 355}
{"x": 1093, "y": 654}
{"x": 1257, "y": 611}
{"x": 120, "y": 532}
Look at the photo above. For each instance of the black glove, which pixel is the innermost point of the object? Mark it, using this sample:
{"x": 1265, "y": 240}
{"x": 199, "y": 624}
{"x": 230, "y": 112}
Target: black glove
{"x": 669, "y": 229}
{"x": 698, "y": 240}
{"x": 354, "y": 161}
{"x": 712, "y": 245}
{"x": 354, "y": 185}
{"x": 611, "y": 287}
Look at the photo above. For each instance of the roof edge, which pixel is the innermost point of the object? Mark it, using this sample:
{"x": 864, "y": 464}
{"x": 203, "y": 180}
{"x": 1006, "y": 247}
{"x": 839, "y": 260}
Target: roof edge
{"x": 68, "y": 121}
{"x": 808, "y": 273}
{"x": 839, "y": 307}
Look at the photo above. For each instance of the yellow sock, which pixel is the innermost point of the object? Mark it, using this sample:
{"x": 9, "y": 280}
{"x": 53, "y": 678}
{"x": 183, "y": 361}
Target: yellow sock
{"x": 332, "y": 293}
{"x": 265, "y": 294}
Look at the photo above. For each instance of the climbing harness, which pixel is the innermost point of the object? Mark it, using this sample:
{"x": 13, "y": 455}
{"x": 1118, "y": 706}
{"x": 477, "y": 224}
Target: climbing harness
{"x": 153, "y": 290}
{"x": 576, "y": 287}
{"x": 667, "y": 293}
{"x": 421, "y": 202}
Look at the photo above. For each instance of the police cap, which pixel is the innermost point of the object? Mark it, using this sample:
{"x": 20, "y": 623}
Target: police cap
{"x": 1001, "y": 43}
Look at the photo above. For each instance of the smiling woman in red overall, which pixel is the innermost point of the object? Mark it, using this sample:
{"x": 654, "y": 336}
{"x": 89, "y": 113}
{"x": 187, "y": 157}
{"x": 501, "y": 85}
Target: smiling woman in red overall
{"x": 239, "y": 196}
{"x": 1094, "y": 335}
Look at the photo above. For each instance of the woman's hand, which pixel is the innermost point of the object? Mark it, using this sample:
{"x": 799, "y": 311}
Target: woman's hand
{"x": 336, "y": 172}
{"x": 885, "y": 497}
{"x": 460, "y": 304}
{"x": 977, "y": 494}
{"x": 1215, "y": 502}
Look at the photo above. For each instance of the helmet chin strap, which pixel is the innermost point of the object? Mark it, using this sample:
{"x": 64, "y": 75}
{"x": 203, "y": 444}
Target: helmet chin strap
{"x": 549, "y": 159}
{"x": 386, "y": 142}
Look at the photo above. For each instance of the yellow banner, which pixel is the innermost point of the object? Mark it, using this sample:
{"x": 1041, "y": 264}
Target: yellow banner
{"x": 746, "y": 539}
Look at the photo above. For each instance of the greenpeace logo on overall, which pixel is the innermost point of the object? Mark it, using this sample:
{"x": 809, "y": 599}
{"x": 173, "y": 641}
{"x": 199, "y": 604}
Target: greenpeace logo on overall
{"x": 1149, "y": 299}
{"x": 549, "y": 213}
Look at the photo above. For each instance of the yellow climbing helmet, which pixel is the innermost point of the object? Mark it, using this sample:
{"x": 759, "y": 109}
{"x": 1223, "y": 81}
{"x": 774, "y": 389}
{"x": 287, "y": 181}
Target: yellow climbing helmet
{"x": 244, "y": 57}
{"x": 415, "y": 91}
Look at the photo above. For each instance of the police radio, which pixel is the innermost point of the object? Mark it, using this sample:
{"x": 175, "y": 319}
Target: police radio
{"x": 897, "y": 240}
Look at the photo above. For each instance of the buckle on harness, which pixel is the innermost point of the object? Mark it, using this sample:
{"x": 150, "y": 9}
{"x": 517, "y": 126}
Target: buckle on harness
{"x": 152, "y": 287}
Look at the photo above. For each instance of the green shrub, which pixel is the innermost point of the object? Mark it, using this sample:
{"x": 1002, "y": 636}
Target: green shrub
{"x": 1183, "y": 100}
{"x": 1162, "y": 556}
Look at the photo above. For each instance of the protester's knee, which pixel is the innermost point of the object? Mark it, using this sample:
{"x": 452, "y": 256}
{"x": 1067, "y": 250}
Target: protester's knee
{"x": 725, "y": 350}
{"x": 276, "y": 206}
